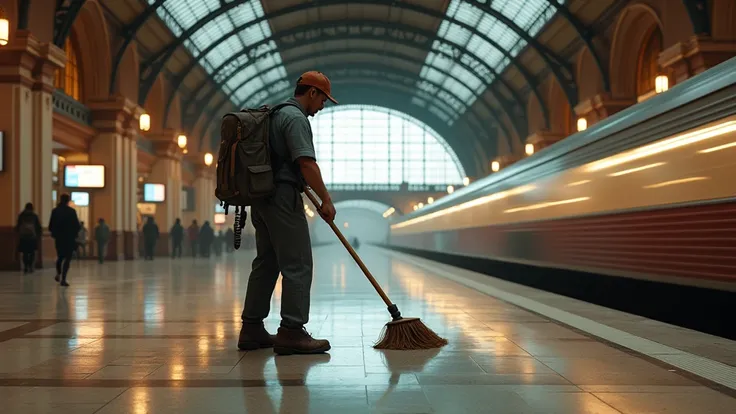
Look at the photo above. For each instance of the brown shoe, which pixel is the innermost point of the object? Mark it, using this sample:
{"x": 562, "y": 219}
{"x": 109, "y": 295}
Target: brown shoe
{"x": 298, "y": 341}
{"x": 254, "y": 336}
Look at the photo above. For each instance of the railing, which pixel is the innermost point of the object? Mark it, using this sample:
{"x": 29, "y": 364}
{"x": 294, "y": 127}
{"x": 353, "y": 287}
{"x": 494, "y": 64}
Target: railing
{"x": 66, "y": 105}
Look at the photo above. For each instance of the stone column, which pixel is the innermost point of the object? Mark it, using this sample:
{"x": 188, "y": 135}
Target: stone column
{"x": 115, "y": 148}
{"x": 26, "y": 114}
{"x": 700, "y": 53}
{"x": 204, "y": 192}
{"x": 130, "y": 188}
{"x": 167, "y": 171}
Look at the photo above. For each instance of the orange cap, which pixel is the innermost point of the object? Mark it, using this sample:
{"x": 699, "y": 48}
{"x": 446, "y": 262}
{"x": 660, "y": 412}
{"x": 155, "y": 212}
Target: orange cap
{"x": 317, "y": 80}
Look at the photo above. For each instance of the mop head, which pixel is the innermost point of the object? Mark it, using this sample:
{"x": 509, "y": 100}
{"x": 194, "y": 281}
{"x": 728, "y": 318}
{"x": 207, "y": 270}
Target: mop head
{"x": 408, "y": 333}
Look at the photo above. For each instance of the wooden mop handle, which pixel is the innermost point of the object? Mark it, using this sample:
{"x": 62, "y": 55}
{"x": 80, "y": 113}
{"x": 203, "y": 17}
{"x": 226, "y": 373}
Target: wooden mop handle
{"x": 352, "y": 252}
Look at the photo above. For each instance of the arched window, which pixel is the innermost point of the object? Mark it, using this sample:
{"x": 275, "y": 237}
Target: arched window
{"x": 68, "y": 79}
{"x": 370, "y": 145}
{"x": 648, "y": 67}
{"x": 370, "y": 205}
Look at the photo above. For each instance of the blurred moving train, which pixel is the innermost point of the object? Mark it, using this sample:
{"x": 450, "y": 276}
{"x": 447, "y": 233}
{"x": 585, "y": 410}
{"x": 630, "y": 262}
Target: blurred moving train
{"x": 639, "y": 206}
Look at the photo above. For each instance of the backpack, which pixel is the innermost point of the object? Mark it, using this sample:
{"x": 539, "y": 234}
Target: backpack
{"x": 245, "y": 169}
{"x": 27, "y": 229}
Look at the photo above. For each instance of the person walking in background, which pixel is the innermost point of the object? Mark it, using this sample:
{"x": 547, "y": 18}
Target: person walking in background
{"x": 82, "y": 241}
{"x": 193, "y": 237}
{"x": 102, "y": 236}
{"x": 64, "y": 227}
{"x": 177, "y": 237}
{"x": 206, "y": 237}
{"x": 150, "y": 236}
{"x": 29, "y": 232}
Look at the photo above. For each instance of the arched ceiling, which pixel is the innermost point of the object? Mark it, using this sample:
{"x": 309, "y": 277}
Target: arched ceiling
{"x": 444, "y": 59}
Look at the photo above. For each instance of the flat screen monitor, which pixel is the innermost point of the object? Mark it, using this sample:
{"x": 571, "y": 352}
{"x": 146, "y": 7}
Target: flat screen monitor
{"x": 154, "y": 193}
{"x": 80, "y": 198}
{"x": 84, "y": 176}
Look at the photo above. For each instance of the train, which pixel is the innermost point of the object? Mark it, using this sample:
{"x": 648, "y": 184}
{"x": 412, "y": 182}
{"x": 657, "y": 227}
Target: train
{"x": 646, "y": 197}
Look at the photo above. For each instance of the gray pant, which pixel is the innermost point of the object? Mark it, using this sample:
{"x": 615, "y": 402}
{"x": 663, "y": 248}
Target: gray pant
{"x": 283, "y": 245}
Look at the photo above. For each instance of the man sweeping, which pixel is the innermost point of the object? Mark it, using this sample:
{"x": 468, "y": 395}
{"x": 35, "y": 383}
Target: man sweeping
{"x": 282, "y": 234}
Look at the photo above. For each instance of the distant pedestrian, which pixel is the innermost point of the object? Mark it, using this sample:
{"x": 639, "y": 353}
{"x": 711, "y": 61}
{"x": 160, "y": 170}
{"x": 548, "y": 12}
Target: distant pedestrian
{"x": 177, "y": 237}
{"x": 150, "y": 237}
{"x": 29, "y": 235}
{"x": 64, "y": 227}
{"x": 102, "y": 236}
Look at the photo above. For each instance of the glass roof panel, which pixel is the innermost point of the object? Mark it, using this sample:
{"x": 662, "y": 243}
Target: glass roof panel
{"x": 478, "y": 52}
{"x": 252, "y": 86}
{"x": 224, "y": 51}
{"x": 180, "y": 15}
{"x": 459, "y": 89}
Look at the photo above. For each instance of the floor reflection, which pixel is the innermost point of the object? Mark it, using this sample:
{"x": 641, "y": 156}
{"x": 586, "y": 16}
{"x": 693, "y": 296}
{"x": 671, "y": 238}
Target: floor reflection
{"x": 160, "y": 337}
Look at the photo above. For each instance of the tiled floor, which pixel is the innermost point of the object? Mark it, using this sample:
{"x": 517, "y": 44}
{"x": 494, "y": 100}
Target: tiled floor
{"x": 160, "y": 337}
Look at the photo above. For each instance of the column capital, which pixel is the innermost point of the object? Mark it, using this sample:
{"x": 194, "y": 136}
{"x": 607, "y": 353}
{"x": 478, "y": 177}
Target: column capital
{"x": 506, "y": 160}
{"x": 602, "y": 106}
{"x": 165, "y": 145}
{"x": 25, "y": 58}
{"x": 116, "y": 114}
{"x": 543, "y": 138}
{"x": 684, "y": 60}
{"x": 50, "y": 59}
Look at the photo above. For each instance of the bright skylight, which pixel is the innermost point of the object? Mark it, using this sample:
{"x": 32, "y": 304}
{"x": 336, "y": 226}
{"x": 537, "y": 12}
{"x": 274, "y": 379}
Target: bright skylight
{"x": 182, "y": 14}
{"x": 374, "y": 206}
{"x": 365, "y": 144}
{"x": 530, "y": 15}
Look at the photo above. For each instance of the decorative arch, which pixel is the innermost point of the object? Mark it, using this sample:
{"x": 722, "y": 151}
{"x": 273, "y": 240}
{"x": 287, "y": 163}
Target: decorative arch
{"x": 370, "y": 205}
{"x": 508, "y": 142}
{"x": 174, "y": 114}
{"x": 647, "y": 66}
{"x": 723, "y": 18}
{"x": 634, "y": 25}
{"x": 126, "y": 83}
{"x": 535, "y": 116}
{"x": 372, "y": 145}
{"x": 588, "y": 77}
{"x": 94, "y": 50}
{"x": 154, "y": 105}
{"x": 560, "y": 113}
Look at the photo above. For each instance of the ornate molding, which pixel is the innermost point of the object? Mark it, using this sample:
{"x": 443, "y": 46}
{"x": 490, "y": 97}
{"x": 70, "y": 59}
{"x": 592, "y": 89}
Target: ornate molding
{"x": 20, "y": 58}
{"x": 50, "y": 59}
{"x": 114, "y": 115}
{"x": 602, "y": 106}
{"x": 543, "y": 138}
{"x": 72, "y": 134}
{"x": 684, "y": 60}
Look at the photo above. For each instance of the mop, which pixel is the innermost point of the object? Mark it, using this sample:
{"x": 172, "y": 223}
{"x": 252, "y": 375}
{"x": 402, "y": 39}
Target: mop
{"x": 400, "y": 333}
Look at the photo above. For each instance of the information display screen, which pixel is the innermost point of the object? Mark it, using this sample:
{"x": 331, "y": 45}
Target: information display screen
{"x": 154, "y": 193}
{"x": 84, "y": 176}
{"x": 80, "y": 198}
{"x": 220, "y": 218}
